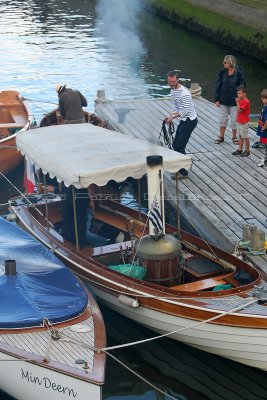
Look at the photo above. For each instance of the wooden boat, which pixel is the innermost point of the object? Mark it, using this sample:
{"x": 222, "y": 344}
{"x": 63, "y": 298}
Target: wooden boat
{"x": 179, "y": 370}
{"x": 49, "y": 324}
{"x": 54, "y": 118}
{"x": 177, "y": 296}
{"x": 15, "y": 115}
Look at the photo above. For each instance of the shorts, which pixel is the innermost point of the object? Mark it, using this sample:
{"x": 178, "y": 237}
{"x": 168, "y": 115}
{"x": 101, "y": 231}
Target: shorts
{"x": 224, "y": 112}
{"x": 242, "y": 130}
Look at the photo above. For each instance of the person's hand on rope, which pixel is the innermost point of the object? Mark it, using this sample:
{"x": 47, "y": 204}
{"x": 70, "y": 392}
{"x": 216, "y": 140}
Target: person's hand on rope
{"x": 170, "y": 118}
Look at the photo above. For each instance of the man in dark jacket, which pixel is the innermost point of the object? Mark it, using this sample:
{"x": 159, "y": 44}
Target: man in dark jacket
{"x": 230, "y": 77}
{"x": 71, "y": 103}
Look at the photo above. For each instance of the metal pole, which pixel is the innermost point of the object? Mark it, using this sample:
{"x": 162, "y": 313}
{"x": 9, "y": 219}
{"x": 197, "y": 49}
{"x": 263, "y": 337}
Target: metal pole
{"x": 75, "y": 219}
{"x": 162, "y": 202}
{"x": 46, "y": 204}
{"x": 139, "y": 199}
{"x": 177, "y": 205}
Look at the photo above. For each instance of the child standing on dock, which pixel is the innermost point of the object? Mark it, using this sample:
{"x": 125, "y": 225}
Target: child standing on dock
{"x": 242, "y": 121}
{"x": 262, "y": 127}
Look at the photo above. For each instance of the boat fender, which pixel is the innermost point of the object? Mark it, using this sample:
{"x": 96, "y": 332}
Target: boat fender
{"x": 128, "y": 301}
{"x": 11, "y": 217}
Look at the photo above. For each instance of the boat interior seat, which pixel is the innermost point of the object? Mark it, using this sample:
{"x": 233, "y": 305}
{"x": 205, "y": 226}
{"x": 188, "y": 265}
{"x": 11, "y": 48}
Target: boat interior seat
{"x": 207, "y": 283}
{"x": 197, "y": 286}
{"x": 121, "y": 222}
{"x": 201, "y": 267}
{"x": 12, "y": 118}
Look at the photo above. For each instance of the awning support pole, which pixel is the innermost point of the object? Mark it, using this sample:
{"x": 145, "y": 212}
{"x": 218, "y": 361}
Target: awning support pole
{"x": 177, "y": 205}
{"x": 139, "y": 199}
{"x": 75, "y": 219}
{"x": 46, "y": 205}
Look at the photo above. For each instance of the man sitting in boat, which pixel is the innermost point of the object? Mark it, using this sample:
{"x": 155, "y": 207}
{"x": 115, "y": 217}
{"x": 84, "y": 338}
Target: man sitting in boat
{"x": 84, "y": 209}
{"x": 71, "y": 103}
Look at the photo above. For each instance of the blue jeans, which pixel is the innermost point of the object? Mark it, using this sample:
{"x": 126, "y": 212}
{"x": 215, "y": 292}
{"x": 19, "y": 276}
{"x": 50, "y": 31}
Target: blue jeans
{"x": 183, "y": 133}
{"x": 93, "y": 238}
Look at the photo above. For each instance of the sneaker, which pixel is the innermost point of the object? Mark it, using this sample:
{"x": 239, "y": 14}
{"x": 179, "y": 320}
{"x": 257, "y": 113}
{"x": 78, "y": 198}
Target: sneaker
{"x": 183, "y": 171}
{"x": 237, "y": 153}
{"x": 180, "y": 176}
{"x": 256, "y": 145}
{"x": 262, "y": 163}
{"x": 245, "y": 153}
{"x": 259, "y": 145}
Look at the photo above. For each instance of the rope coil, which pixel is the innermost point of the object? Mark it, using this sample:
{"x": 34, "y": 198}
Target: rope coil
{"x": 167, "y": 134}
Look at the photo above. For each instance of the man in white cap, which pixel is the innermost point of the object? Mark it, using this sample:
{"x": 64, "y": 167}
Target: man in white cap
{"x": 71, "y": 103}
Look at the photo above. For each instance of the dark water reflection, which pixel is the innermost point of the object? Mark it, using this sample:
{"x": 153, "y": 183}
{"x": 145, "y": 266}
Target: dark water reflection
{"x": 75, "y": 42}
{"x": 178, "y": 370}
{"x": 49, "y": 42}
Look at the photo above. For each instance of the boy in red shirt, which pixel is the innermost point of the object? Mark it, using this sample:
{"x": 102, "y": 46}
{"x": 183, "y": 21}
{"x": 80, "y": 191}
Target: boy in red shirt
{"x": 242, "y": 119}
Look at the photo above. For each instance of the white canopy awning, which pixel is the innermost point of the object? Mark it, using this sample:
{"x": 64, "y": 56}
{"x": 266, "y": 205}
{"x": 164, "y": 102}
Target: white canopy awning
{"x": 81, "y": 154}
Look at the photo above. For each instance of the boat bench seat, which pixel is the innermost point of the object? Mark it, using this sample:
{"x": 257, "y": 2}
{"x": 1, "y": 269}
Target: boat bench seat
{"x": 121, "y": 222}
{"x": 230, "y": 279}
{"x": 12, "y": 125}
{"x": 200, "y": 285}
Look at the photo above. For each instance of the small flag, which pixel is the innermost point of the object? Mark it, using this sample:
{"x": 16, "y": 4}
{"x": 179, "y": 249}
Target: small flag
{"x": 155, "y": 216}
{"x": 29, "y": 178}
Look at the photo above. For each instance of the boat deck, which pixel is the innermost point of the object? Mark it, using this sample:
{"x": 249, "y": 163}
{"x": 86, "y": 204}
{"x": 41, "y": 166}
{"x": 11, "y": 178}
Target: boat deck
{"x": 71, "y": 346}
{"x": 223, "y": 191}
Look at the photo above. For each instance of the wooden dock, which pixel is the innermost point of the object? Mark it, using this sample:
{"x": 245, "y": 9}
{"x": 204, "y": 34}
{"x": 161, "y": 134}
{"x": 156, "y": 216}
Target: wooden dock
{"x": 223, "y": 192}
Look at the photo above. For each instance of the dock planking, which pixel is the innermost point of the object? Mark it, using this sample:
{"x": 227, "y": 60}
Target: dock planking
{"x": 223, "y": 192}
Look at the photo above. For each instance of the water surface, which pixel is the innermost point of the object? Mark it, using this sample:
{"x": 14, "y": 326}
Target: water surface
{"x": 115, "y": 45}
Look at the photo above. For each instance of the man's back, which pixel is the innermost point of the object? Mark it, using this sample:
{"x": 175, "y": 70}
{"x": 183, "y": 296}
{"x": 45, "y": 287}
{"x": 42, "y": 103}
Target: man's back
{"x": 71, "y": 103}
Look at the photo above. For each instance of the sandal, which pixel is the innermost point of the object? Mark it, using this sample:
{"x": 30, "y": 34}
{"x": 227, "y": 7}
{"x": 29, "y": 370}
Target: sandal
{"x": 235, "y": 140}
{"x": 219, "y": 140}
{"x": 237, "y": 153}
{"x": 245, "y": 153}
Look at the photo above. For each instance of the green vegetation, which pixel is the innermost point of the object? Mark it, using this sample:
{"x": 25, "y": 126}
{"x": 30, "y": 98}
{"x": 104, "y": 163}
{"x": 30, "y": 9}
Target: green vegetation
{"x": 224, "y": 27}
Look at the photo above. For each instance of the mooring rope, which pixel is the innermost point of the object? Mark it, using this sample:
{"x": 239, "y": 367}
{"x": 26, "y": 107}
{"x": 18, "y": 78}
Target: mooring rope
{"x": 195, "y": 324}
{"x": 223, "y": 314}
{"x": 141, "y": 377}
{"x": 3, "y": 146}
{"x": 33, "y": 102}
{"x": 25, "y": 197}
{"x": 107, "y": 350}
{"x": 202, "y": 237}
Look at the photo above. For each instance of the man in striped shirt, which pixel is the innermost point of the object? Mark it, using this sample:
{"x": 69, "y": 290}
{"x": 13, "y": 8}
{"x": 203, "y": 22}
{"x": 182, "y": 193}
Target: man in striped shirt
{"x": 183, "y": 107}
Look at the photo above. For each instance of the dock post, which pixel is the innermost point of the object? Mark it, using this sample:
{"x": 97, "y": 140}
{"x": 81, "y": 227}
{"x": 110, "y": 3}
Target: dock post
{"x": 247, "y": 230}
{"x": 257, "y": 240}
{"x": 100, "y": 96}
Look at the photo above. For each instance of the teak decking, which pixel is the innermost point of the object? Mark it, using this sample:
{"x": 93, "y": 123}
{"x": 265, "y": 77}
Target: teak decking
{"x": 223, "y": 191}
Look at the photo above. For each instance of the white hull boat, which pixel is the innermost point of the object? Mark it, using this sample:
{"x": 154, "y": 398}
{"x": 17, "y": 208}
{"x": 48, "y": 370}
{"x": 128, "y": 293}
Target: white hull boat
{"x": 191, "y": 291}
{"x": 50, "y": 325}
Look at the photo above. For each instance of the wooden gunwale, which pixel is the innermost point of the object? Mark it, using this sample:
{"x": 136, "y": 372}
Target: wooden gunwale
{"x": 180, "y": 304}
{"x": 85, "y": 315}
{"x": 96, "y": 375}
